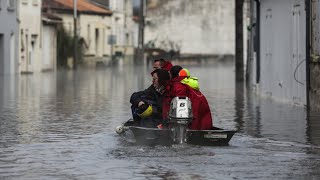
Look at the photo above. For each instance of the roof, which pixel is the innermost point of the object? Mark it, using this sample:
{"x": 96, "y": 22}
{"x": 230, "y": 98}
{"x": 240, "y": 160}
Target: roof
{"x": 83, "y": 6}
{"x": 51, "y": 18}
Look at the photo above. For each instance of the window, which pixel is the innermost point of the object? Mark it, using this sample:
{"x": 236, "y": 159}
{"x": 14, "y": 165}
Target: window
{"x": 35, "y": 2}
{"x": 11, "y": 5}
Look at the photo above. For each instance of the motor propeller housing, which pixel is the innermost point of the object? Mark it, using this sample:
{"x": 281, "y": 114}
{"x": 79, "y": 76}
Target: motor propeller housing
{"x": 180, "y": 115}
{"x": 180, "y": 110}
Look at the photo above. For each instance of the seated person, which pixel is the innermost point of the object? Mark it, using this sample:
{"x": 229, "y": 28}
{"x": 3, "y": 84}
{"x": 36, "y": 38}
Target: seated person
{"x": 151, "y": 96}
{"x": 202, "y": 119}
{"x": 162, "y": 64}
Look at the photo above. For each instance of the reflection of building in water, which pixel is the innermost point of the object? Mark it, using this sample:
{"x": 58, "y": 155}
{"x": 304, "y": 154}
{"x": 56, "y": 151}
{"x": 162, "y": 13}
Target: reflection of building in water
{"x": 96, "y": 94}
{"x": 313, "y": 132}
{"x": 270, "y": 119}
{"x": 194, "y": 27}
{"x": 34, "y": 104}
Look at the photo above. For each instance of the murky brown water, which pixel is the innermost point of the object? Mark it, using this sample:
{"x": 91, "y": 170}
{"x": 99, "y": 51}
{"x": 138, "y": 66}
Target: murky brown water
{"x": 61, "y": 126}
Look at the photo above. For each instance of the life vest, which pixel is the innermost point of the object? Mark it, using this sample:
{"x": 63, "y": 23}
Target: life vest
{"x": 192, "y": 82}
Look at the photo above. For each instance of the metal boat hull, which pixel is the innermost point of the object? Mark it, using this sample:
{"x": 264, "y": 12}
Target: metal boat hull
{"x": 154, "y": 136}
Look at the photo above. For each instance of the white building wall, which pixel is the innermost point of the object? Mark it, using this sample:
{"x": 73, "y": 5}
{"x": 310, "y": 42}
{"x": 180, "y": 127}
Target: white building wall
{"x": 95, "y": 30}
{"x": 205, "y": 26}
{"x": 282, "y": 50}
{"x": 122, "y": 23}
{"x": 8, "y": 37}
{"x": 49, "y": 47}
{"x": 30, "y": 36}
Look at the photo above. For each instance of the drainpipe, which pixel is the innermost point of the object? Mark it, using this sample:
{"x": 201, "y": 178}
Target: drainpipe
{"x": 257, "y": 41}
{"x": 308, "y": 37}
{"x": 239, "y": 40}
{"x": 75, "y": 37}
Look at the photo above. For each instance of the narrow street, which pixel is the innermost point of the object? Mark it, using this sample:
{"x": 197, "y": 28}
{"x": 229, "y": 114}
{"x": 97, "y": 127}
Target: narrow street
{"x": 61, "y": 126}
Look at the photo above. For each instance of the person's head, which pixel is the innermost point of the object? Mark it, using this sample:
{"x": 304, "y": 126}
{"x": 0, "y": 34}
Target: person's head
{"x": 162, "y": 64}
{"x": 160, "y": 77}
{"x": 174, "y": 71}
{"x": 158, "y": 63}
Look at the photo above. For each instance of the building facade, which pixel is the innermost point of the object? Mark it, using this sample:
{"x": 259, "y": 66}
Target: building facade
{"x": 8, "y": 37}
{"x": 30, "y": 46}
{"x": 93, "y": 26}
{"x": 49, "y": 32}
{"x": 277, "y": 57}
{"x": 123, "y": 28}
{"x": 315, "y": 57}
{"x": 191, "y": 27}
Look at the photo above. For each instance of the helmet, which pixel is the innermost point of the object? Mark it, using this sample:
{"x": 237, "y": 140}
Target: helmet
{"x": 184, "y": 73}
{"x": 144, "y": 110}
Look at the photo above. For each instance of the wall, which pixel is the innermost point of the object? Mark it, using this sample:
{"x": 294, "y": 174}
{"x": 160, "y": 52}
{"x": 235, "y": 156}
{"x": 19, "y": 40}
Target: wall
{"x": 8, "y": 39}
{"x": 315, "y": 54}
{"x": 205, "y": 26}
{"x": 97, "y": 48}
{"x": 282, "y": 51}
{"x": 30, "y": 36}
{"x": 122, "y": 25}
{"x": 95, "y": 30}
{"x": 49, "y": 47}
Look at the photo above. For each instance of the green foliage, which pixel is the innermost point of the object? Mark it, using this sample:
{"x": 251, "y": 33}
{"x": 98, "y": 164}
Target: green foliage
{"x": 65, "y": 47}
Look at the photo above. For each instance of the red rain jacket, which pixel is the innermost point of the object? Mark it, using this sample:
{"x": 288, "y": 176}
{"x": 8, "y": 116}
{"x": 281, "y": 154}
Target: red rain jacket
{"x": 202, "y": 119}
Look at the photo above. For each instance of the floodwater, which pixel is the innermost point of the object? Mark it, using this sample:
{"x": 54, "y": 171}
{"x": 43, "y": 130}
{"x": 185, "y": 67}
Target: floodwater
{"x": 61, "y": 126}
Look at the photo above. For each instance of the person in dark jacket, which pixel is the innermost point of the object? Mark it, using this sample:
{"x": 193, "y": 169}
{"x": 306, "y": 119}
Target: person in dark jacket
{"x": 153, "y": 96}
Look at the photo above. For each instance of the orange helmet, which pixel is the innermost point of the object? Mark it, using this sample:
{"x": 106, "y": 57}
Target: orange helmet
{"x": 184, "y": 73}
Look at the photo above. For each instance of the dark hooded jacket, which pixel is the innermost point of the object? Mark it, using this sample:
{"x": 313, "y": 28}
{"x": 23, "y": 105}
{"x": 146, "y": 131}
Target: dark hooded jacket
{"x": 151, "y": 96}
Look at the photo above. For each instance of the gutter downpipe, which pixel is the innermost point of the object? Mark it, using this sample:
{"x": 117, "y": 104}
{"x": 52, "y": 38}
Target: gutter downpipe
{"x": 75, "y": 38}
{"x": 257, "y": 41}
{"x": 308, "y": 37}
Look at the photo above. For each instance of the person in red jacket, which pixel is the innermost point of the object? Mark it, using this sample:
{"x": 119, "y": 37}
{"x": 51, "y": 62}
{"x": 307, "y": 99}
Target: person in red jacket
{"x": 162, "y": 64}
{"x": 202, "y": 119}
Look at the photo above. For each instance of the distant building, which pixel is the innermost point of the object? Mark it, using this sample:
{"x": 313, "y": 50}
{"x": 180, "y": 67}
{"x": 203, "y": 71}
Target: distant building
{"x": 8, "y": 37}
{"x": 30, "y": 45}
{"x": 49, "y": 41}
{"x": 123, "y": 27}
{"x": 94, "y": 26}
{"x": 192, "y": 27}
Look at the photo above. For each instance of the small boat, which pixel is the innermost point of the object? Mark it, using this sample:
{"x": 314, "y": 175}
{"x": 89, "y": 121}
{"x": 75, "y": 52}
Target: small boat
{"x": 178, "y": 132}
{"x": 154, "y": 136}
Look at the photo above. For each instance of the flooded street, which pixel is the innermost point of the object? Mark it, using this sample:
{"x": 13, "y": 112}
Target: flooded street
{"x": 62, "y": 126}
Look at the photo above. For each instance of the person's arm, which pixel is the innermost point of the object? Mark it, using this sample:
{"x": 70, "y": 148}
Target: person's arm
{"x": 136, "y": 99}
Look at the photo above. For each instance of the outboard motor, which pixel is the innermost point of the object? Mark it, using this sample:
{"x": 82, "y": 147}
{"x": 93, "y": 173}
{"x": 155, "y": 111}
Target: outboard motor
{"x": 180, "y": 115}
